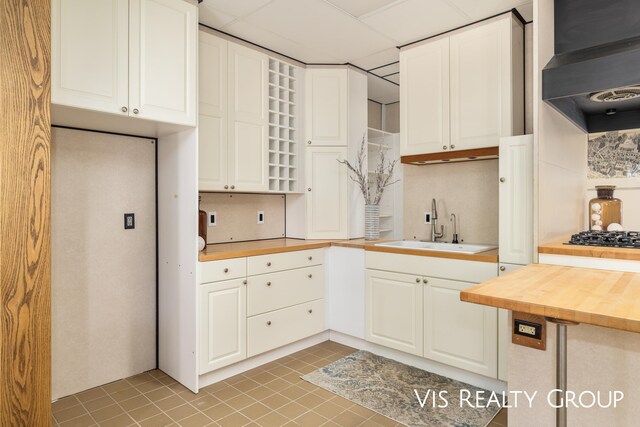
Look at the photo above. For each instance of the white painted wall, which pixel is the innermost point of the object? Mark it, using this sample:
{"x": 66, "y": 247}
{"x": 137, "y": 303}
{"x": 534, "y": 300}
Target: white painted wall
{"x": 103, "y": 303}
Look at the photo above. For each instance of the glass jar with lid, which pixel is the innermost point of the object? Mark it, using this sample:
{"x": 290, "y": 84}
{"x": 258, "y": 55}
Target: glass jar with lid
{"x": 605, "y": 209}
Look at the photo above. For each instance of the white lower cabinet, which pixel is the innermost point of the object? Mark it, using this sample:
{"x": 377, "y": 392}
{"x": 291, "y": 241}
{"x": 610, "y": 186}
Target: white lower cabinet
{"x": 223, "y": 321}
{"x": 393, "y": 310}
{"x": 458, "y": 333}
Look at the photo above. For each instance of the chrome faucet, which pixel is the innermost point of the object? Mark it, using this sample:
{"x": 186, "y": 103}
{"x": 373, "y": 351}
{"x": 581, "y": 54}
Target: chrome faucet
{"x": 455, "y": 228}
{"x": 434, "y": 223}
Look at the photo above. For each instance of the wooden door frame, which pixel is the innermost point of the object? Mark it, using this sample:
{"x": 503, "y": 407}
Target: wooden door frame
{"x": 25, "y": 195}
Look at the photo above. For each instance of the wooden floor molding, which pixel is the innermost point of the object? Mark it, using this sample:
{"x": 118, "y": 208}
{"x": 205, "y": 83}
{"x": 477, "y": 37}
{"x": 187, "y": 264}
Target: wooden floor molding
{"x": 25, "y": 137}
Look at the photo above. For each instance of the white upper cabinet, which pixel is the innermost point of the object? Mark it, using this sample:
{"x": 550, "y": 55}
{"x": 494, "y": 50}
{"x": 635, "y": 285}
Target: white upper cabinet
{"x": 516, "y": 200}
{"x": 248, "y": 124}
{"x": 327, "y": 212}
{"x": 162, "y": 64}
{"x": 424, "y": 98}
{"x": 212, "y": 123}
{"x": 327, "y": 107}
{"x": 90, "y": 54}
{"x": 463, "y": 91}
{"x": 112, "y": 56}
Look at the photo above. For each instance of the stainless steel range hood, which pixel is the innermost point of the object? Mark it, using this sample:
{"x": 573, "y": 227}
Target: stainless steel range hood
{"x": 594, "y": 77}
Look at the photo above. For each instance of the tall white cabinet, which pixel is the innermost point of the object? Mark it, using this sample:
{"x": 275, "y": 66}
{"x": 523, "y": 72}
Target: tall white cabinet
{"x": 463, "y": 90}
{"x": 118, "y": 64}
{"x": 336, "y": 123}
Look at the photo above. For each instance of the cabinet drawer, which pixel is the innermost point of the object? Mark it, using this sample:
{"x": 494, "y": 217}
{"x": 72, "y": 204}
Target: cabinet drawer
{"x": 284, "y": 261}
{"x": 277, "y": 328}
{"x": 226, "y": 269}
{"x": 273, "y": 291}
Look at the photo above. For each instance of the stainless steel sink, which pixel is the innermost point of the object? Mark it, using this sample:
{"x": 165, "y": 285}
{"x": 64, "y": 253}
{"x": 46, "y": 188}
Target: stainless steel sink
{"x": 462, "y": 248}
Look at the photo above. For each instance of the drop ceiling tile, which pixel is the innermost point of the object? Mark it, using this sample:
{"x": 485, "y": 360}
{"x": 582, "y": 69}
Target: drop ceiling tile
{"x": 388, "y": 69}
{"x": 320, "y": 26}
{"x": 381, "y": 90}
{"x": 277, "y": 43}
{"x": 415, "y": 19}
{"x": 485, "y": 8}
{"x": 384, "y": 57}
{"x": 394, "y": 78}
{"x": 237, "y": 8}
{"x": 358, "y": 8}
{"x": 213, "y": 17}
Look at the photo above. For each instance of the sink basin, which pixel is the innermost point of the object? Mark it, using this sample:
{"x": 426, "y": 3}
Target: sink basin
{"x": 462, "y": 248}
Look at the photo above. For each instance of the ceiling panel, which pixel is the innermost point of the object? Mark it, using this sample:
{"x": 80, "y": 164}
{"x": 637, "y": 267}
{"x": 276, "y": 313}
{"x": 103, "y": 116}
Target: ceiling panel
{"x": 388, "y": 69}
{"x": 320, "y": 26}
{"x": 381, "y": 90}
{"x": 415, "y": 19}
{"x": 394, "y": 78}
{"x": 213, "y": 17}
{"x": 358, "y": 8}
{"x": 237, "y": 8}
{"x": 482, "y": 9}
{"x": 277, "y": 43}
{"x": 384, "y": 57}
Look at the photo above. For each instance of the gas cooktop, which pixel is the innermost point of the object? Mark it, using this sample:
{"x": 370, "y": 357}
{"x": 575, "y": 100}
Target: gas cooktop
{"x": 616, "y": 239}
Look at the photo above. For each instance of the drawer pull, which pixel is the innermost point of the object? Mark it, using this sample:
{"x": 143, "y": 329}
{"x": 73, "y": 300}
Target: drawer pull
{"x": 269, "y": 264}
{"x": 268, "y": 283}
{"x": 310, "y": 258}
{"x": 310, "y": 311}
{"x": 425, "y": 281}
{"x": 417, "y": 280}
{"x": 503, "y": 268}
{"x": 269, "y": 323}
{"x": 226, "y": 270}
{"x": 244, "y": 282}
{"x": 310, "y": 276}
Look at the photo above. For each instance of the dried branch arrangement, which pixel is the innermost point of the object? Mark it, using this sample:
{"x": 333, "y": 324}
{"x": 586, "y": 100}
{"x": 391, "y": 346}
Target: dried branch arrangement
{"x": 383, "y": 173}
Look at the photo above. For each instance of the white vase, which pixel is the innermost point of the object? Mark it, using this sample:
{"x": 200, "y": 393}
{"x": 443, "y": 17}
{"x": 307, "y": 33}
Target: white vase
{"x": 372, "y": 222}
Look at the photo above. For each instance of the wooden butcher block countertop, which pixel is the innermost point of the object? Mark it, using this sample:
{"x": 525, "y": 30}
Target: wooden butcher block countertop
{"x": 596, "y": 297}
{"x": 559, "y": 248}
{"x": 220, "y": 251}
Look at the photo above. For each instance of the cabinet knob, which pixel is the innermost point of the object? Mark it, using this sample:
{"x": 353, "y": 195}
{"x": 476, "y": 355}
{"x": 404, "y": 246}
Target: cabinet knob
{"x": 124, "y": 109}
{"x": 444, "y": 147}
{"x": 226, "y": 187}
{"x": 244, "y": 282}
{"x": 310, "y": 276}
{"x": 309, "y": 142}
{"x": 233, "y": 187}
{"x": 417, "y": 280}
{"x": 425, "y": 281}
{"x": 268, "y": 283}
{"x": 310, "y": 258}
{"x": 310, "y": 311}
{"x": 269, "y": 323}
{"x": 503, "y": 179}
{"x": 503, "y": 268}
{"x": 136, "y": 111}
{"x": 453, "y": 146}
{"x": 309, "y": 189}
{"x": 226, "y": 270}
{"x": 269, "y": 264}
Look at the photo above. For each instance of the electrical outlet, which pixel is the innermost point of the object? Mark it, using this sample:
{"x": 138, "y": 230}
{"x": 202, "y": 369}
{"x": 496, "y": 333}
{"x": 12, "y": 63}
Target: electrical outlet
{"x": 129, "y": 221}
{"x": 427, "y": 217}
{"x": 212, "y": 219}
{"x": 260, "y": 217}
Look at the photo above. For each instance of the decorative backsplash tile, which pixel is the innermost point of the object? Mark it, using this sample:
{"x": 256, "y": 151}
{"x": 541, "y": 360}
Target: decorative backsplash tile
{"x": 614, "y": 155}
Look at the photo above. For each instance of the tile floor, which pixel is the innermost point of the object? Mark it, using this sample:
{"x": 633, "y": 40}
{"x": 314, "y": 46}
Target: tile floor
{"x": 270, "y": 395}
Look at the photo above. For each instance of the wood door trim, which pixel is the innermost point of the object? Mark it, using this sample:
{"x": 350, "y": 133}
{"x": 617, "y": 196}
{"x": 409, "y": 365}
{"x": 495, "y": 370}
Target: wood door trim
{"x": 445, "y": 156}
{"x": 25, "y": 192}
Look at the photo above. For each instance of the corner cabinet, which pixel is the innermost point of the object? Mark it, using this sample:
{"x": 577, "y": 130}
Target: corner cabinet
{"x": 327, "y": 107}
{"x": 463, "y": 90}
{"x": 128, "y": 73}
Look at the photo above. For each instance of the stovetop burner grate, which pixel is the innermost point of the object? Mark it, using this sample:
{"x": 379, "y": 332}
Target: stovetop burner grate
{"x": 615, "y": 239}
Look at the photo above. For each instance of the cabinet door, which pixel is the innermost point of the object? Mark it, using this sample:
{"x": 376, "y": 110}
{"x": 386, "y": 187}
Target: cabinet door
{"x": 326, "y": 193}
{"x": 424, "y": 98}
{"x": 516, "y": 200}
{"x": 481, "y": 95}
{"x": 326, "y": 107}
{"x": 248, "y": 119}
{"x": 212, "y": 124}
{"x": 163, "y": 47}
{"x": 90, "y": 54}
{"x": 393, "y": 310}
{"x": 458, "y": 333}
{"x": 223, "y": 324}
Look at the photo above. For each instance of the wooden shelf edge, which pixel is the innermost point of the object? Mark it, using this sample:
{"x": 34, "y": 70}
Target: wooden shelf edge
{"x": 475, "y": 154}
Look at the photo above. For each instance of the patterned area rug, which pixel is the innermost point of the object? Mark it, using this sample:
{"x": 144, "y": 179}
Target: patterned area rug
{"x": 389, "y": 388}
